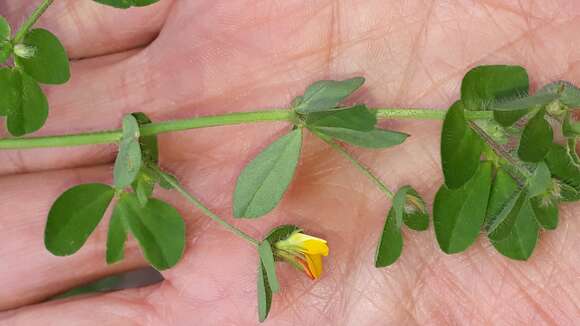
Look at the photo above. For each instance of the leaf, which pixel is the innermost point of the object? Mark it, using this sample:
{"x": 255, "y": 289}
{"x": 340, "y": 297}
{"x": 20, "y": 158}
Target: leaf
{"x": 521, "y": 242}
{"x": 460, "y": 148}
{"x": 568, "y": 93}
{"x": 265, "y": 179}
{"x": 536, "y": 139}
{"x": 526, "y": 103}
{"x": 391, "y": 242}
{"x": 116, "y": 237}
{"x": 325, "y": 95}
{"x": 149, "y": 144}
{"x": 485, "y": 85}
{"x": 568, "y": 193}
{"x": 458, "y": 214}
{"x": 74, "y": 216}
{"x": 129, "y": 161}
{"x": 357, "y": 117}
{"x": 5, "y": 29}
{"x": 377, "y": 138}
{"x": 570, "y": 128}
{"x": 503, "y": 225}
{"x": 503, "y": 196}
{"x": 158, "y": 228}
{"x": 124, "y": 4}
{"x": 410, "y": 208}
{"x": 508, "y": 118}
{"x": 28, "y": 107}
{"x": 11, "y": 91}
{"x": 540, "y": 181}
{"x": 264, "y": 294}
{"x": 546, "y": 212}
{"x": 563, "y": 167}
{"x": 49, "y": 63}
{"x": 267, "y": 260}
{"x": 143, "y": 185}
{"x": 5, "y": 46}
{"x": 281, "y": 232}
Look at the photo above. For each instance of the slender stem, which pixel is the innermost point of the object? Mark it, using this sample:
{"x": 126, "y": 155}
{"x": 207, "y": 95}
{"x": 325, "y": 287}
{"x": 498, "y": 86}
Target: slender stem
{"x": 31, "y": 20}
{"x": 362, "y": 168}
{"x": 112, "y": 136}
{"x": 192, "y": 199}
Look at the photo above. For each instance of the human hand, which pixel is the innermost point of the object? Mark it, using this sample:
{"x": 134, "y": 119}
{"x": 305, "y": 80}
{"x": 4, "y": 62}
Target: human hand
{"x": 223, "y": 56}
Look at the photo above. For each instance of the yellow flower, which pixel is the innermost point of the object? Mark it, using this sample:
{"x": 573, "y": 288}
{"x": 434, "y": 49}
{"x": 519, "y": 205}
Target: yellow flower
{"x": 303, "y": 252}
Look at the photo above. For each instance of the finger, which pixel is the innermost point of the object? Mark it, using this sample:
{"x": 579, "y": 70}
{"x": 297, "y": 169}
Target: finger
{"x": 28, "y": 272}
{"x": 127, "y": 307}
{"x": 89, "y": 29}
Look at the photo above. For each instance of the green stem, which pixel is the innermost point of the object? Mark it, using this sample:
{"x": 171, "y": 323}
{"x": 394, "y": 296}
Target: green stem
{"x": 32, "y": 19}
{"x": 192, "y": 199}
{"x": 362, "y": 168}
{"x": 113, "y": 136}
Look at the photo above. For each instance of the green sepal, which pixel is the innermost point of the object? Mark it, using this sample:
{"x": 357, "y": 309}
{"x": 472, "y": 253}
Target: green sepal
{"x": 129, "y": 159}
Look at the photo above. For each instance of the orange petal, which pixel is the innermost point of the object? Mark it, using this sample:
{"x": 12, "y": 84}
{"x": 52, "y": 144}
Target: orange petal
{"x": 314, "y": 265}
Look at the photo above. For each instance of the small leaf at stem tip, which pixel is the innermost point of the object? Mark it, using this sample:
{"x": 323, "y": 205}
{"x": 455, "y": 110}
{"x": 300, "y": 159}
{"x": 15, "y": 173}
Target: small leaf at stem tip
{"x": 267, "y": 258}
{"x": 325, "y": 95}
{"x": 116, "y": 237}
{"x": 541, "y": 181}
{"x": 158, "y": 228}
{"x": 568, "y": 93}
{"x": 536, "y": 139}
{"x": 570, "y": 128}
{"x": 264, "y": 293}
{"x": 74, "y": 216}
{"x": 521, "y": 242}
{"x": 266, "y": 178}
{"x": 124, "y": 4}
{"x": 546, "y": 211}
{"x": 564, "y": 169}
{"x": 458, "y": 214}
{"x": 390, "y": 244}
{"x": 410, "y": 208}
{"x": 374, "y": 139}
{"x": 483, "y": 86}
{"x": 357, "y": 117}
{"x": 461, "y": 148}
{"x": 129, "y": 159}
{"x": 25, "y": 104}
{"x": 48, "y": 64}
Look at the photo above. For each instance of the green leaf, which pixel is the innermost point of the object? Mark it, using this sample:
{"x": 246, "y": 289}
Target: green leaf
{"x": 546, "y": 212}
{"x": 49, "y": 63}
{"x": 357, "y": 117}
{"x": 143, "y": 185}
{"x": 116, "y": 237}
{"x": 374, "y": 139}
{"x": 264, "y": 293}
{"x": 503, "y": 224}
{"x": 503, "y": 196}
{"x": 5, "y": 51}
{"x": 281, "y": 232}
{"x": 458, "y": 214}
{"x": 567, "y": 92}
{"x": 410, "y": 208}
{"x": 460, "y": 148}
{"x": 124, "y": 4}
{"x": 5, "y": 46}
{"x": 521, "y": 242}
{"x": 74, "y": 216}
{"x": 508, "y": 118}
{"x": 563, "y": 167}
{"x": 5, "y": 30}
{"x": 540, "y": 181}
{"x": 570, "y": 128}
{"x": 27, "y": 107}
{"x": 267, "y": 259}
{"x": 391, "y": 242}
{"x": 485, "y": 85}
{"x": 265, "y": 179}
{"x": 526, "y": 103}
{"x": 568, "y": 193}
{"x": 536, "y": 139}
{"x": 149, "y": 144}
{"x": 129, "y": 160}
{"x": 325, "y": 95}
{"x": 158, "y": 228}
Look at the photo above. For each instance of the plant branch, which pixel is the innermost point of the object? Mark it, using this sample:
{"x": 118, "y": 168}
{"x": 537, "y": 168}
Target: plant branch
{"x": 362, "y": 168}
{"x": 192, "y": 199}
{"x": 32, "y": 19}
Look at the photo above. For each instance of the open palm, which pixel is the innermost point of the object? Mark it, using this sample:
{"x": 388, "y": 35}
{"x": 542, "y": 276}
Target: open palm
{"x": 185, "y": 58}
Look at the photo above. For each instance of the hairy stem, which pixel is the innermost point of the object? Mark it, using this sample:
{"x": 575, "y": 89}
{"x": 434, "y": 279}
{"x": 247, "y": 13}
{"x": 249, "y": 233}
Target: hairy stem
{"x": 113, "y": 136}
{"x": 32, "y": 19}
{"x": 362, "y": 168}
{"x": 192, "y": 199}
